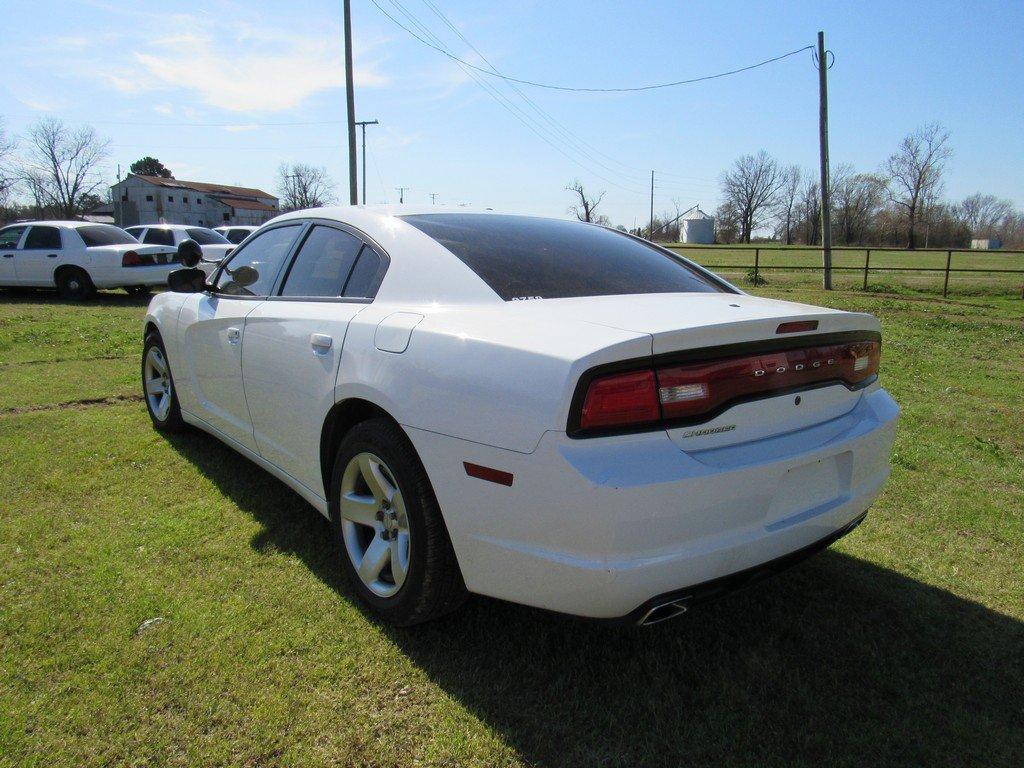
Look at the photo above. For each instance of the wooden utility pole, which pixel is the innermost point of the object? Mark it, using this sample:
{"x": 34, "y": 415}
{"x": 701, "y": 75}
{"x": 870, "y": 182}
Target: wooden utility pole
{"x": 650, "y": 229}
{"x": 826, "y": 212}
{"x": 362, "y": 124}
{"x": 353, "y": 185}
{"x": 401, "y": 193}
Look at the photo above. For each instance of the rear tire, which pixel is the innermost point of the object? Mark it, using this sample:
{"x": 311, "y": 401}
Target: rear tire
{"x": 393, "y": 526}
{"x": 74, "y": 284}
{"x": 158, "y": 387}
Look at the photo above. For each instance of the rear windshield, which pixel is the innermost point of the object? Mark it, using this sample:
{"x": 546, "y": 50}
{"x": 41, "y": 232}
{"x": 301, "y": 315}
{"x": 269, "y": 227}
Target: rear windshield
{"x": 523, "y": 257}
{"x": 104, "y": 234}
{"x": 207, "y": 236}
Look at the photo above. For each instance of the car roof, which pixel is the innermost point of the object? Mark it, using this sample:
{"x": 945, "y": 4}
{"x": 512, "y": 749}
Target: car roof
{"x": 72, "y": 224}
{"x": 168, "y": 226}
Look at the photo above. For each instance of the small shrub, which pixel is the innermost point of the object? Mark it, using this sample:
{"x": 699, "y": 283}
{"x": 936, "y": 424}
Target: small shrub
{"x": 755, "y": 278}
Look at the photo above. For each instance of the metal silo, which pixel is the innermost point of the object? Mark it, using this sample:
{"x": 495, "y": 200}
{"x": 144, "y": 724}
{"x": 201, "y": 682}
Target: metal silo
{"x": 697, "y": 227}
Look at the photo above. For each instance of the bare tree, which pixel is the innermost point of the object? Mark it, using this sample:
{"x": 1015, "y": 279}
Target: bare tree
{"x": 62, "y": 166}
{"x": 304, "y": 186}
{"x": 789, "y": 196}
{"x": 809, "y": 211}
{"x": 984, "y": 214}
{"x": 915, "y": 172}
{"x": 751, "y": 187}
{"x": 856, "y": 200}
{"x": 584, "y": 209}
{"x": 8, "y": 177}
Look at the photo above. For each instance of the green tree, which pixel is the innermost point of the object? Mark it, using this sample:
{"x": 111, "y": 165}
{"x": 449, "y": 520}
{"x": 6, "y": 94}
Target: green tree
{"x": 150, "y": 166}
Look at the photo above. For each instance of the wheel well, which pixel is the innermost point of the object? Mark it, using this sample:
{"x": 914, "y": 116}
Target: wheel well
{"x": 341, "y": 418}
{"x": 68, "y": 268}
{"x": 150, "y": 328}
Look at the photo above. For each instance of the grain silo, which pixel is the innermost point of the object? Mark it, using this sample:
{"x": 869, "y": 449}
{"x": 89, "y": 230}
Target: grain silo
{"x": 697, "y": 227}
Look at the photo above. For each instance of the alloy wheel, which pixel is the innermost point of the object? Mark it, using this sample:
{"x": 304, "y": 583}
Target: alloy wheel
{"x": 157, "y": 380}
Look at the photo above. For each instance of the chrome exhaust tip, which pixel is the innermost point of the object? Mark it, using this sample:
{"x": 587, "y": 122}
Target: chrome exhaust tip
{"x": 663, "y": 612}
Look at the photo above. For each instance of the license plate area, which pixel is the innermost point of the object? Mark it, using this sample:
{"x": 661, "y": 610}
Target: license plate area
{"x": 810, "y": 489}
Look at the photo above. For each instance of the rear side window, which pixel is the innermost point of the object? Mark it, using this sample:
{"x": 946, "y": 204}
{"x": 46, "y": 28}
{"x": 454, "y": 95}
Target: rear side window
{"x": 524, "y": 257}
{"x": 323, "y": 264}
{"x": 236, "y": 235}
{"x": 365, "y": 277}
{"x": 104, "y": 234}
{"x": 265, "y": 254}
{"x": 156, "y": 236}
{"x": 43, "y": 237}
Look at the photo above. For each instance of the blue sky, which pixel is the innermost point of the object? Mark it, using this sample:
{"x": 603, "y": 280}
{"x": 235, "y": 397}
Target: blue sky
{"x": 226, "y": 91}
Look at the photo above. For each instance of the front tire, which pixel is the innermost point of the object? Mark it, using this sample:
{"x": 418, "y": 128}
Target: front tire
{"x": 392, "y": 541}
{"x": 137, "y": 291}
{"x": 74, "y": 284}
{"x": 158, "y": 386}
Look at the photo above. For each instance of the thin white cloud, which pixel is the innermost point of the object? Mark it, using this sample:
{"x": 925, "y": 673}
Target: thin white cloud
{"x": 239, "y": 128}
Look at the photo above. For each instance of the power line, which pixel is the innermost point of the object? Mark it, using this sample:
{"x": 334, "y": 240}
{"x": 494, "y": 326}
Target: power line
{"x": 549, "y": 86}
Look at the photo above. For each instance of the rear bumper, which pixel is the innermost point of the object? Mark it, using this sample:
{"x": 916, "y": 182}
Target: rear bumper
{"x": 601, "y": 528}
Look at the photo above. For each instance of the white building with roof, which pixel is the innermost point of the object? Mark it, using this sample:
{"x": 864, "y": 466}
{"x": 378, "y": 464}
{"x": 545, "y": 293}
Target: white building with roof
{"x": 156, "y": 200}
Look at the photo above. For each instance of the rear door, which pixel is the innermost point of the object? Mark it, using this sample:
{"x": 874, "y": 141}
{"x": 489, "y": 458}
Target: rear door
{"x": 40, "y": 255}
{"x": 212, "y": 327}
{"x": 293, "y": 345}
{"x": 10, "y": 238}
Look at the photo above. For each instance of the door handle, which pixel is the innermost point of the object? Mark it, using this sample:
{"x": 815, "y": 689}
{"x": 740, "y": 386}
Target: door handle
{"x": 8, "y": 255}
{"x": 320, "y": 342}
{"x": 51, "y": 255}
{"x": 234, "y": 335}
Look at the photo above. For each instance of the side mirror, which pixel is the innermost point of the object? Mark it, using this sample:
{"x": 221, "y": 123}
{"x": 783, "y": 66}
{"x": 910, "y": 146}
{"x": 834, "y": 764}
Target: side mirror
{"x": 244, "y": 276}
{"x": 189, "y": 253}
{"x": 189, "y": 280}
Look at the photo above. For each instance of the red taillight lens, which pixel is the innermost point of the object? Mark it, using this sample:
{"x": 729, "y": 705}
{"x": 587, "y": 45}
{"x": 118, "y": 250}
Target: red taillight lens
{"x": 621, "y": 399}
{"x": 131, "y": 259}
{"x": 694, "y": 389}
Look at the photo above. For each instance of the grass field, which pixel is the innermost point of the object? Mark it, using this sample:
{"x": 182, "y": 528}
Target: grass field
{"x": 889, "y": 270}
{"x": 901, "y": 645}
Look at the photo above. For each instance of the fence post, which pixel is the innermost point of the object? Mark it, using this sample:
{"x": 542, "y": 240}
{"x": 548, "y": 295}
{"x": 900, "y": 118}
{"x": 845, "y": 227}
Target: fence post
{"x": 757, "y": 263}
{"x": 867, "y": 263}
{"x": 945, "y": 283}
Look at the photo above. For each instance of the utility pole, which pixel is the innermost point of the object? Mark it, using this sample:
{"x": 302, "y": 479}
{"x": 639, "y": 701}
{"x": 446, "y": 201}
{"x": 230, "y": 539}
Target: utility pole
{"x": 362, "y": 124}
{"x": 433, "y": 198}
{"x": 401, "y": 193}
{"x": 826, "y": 212}
{"x": 650, "y": 230}
{"x": 353, "y": 189}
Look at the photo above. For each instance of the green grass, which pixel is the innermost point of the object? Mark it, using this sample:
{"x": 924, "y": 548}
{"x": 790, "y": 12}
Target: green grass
{"x": 901, "y": 645}
{"x": 734, "y": 262}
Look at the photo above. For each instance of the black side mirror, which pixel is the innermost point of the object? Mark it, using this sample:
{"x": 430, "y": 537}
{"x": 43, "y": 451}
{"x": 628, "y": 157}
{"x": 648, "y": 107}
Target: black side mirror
{"x": 189, "y": 280}
{"x": 189, "y": 253}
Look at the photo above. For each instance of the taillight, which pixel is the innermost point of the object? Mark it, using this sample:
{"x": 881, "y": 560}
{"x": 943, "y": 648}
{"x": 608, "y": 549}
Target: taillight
{"x": 131, "y": 259}
{"x": 620, "y": 399}
{"x": 694, "y": 391}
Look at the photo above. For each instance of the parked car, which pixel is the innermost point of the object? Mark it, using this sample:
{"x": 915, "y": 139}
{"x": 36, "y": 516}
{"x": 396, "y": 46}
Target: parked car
{"x": 214, "y": 245}
{"x": 77, "y": 257}
{"x": 236, "y": 233}
{"x": 543, "y": 411}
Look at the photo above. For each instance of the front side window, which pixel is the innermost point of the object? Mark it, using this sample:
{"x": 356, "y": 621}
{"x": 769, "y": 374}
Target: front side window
{"x": 205, "y": 236}
{"x": 265, "y": 255}
{"x": 104, "y": 234}
{"x": 323, "y": 264}
{"x": 524, "y": 257}
{"x": 10, "y": 237}
{"x": 157, "y": 236}
{"x": 47, "y": 238}
{"x": 236, "y": 235}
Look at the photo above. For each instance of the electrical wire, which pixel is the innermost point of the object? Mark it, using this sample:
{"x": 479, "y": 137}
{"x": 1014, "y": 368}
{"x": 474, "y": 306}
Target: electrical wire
{"x": 552, "y": 87}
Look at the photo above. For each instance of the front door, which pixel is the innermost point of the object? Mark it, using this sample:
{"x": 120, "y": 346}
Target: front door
{"x": 10, "y": 237}
{"x": 40, "y": 256}
{"x": 212, "y": 330}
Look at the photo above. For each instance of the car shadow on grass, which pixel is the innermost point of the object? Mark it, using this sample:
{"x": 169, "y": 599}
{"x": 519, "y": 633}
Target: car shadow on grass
{"x": 836, "y": 662}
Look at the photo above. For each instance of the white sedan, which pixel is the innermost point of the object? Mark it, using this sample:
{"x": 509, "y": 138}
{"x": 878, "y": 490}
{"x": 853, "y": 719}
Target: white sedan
{"x": 543, "y": 411}
{"x": 236, "y": 233}
{"x": 77, "y": 257}
{"x": 213, "y": 244}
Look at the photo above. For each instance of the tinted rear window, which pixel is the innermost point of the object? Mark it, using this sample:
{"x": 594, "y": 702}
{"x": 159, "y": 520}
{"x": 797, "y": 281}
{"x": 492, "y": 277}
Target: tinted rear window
{"x": 523, "y": 257}
{"x": 104, "y": 234}
{"x": 206, "y": 236}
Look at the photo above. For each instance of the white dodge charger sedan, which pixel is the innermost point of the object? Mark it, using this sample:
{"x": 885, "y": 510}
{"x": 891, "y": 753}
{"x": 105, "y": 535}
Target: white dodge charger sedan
{"x": 543, "y": 411}
{"x": 77, "y": 257}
